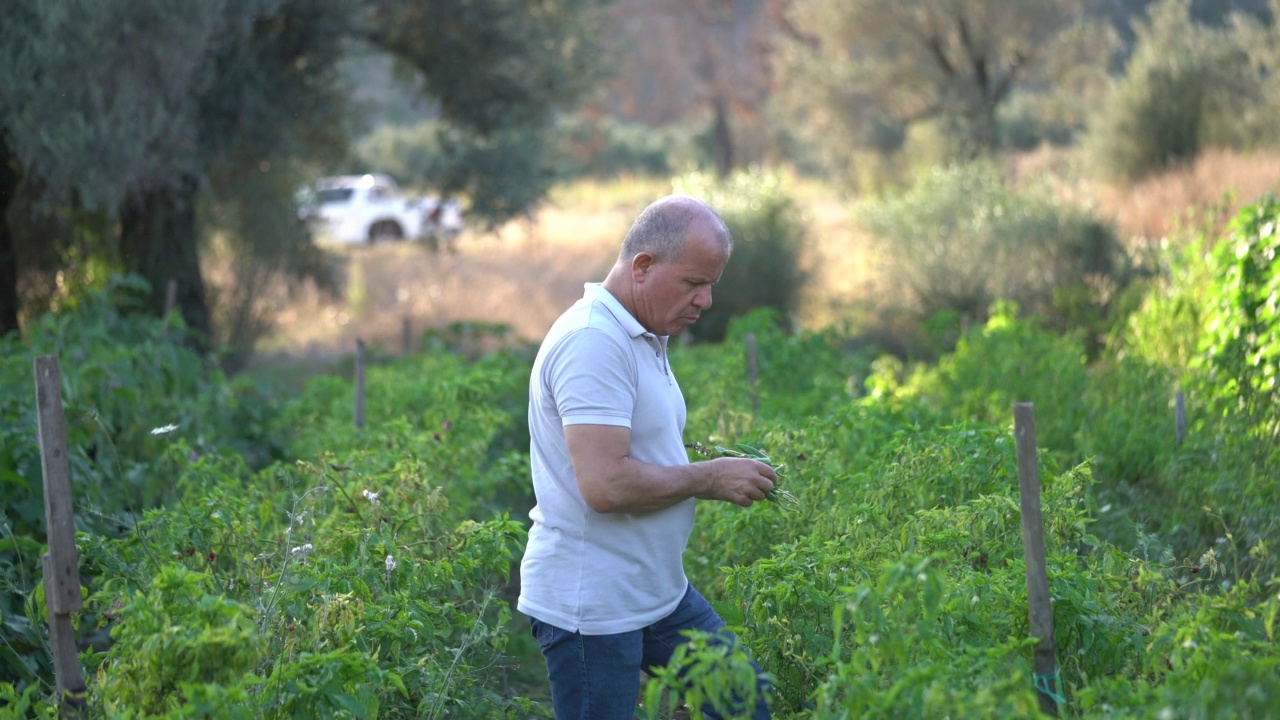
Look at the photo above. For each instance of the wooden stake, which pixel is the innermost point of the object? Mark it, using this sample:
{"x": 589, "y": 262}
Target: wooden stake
{"x": 359, "y": 383}
{"x": 406, "y": 335}
{"x": 61, "y": 562}
{"x": 1039, "y": 605}
{"x": 1179, "y": 420}
{"x": 170, "y": 296}
{"x": 753, "y": 372}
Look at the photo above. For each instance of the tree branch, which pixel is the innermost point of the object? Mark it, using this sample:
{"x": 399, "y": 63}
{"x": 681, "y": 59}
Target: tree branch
{"x": 1006, "y": 81}
{"x": 977, "y": 56}
{"x": 782, "y": 20}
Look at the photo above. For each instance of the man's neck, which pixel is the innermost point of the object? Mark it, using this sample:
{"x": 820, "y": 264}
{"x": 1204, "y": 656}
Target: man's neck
{"x": 620, "y": 288}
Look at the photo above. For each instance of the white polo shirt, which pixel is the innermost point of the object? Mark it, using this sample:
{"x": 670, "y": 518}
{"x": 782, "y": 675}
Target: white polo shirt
{"x": 584, "y": 571}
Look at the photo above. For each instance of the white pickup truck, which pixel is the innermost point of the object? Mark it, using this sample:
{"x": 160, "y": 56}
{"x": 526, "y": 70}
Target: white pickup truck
{"x": 365, "y": 209}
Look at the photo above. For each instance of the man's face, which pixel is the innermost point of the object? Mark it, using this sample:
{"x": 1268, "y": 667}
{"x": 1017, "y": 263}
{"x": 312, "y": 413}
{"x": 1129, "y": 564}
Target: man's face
{"x": 672, "y": 294}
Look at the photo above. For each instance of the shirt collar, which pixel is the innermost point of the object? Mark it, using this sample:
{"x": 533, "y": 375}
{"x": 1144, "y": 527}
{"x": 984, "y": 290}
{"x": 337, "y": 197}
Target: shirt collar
{"x": 596, "y": 292}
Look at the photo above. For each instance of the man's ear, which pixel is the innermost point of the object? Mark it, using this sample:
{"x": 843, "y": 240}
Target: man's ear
{"x": 641, "y": 264}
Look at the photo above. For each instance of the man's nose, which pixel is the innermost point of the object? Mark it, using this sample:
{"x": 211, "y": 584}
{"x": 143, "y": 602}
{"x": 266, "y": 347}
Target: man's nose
{"x": 702, "y": 300}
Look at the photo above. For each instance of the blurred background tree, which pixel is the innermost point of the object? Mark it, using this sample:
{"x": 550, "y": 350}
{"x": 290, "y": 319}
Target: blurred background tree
{"x": 1186, "y": 87}
{"x": 499, "y": 70}
{"x": 140, "y": 138}
{"x": 136, "y": 131}
{"x": 769, "y": 241}
{"x": 875, "y": 82}
{"x": 119, "y": 142}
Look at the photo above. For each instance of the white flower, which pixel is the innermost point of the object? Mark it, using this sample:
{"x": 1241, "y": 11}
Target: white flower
{"x": 973, "y": 600}
{"x": 1166, "y": 714}
{"x": 302, "y": 549}
{"x": 922, "y": 577}
{"x": 391, "y": 564}
{"x": 371, "y": 496}
{"x": 1105, "y": 508}
{"x": 164, "y": 429}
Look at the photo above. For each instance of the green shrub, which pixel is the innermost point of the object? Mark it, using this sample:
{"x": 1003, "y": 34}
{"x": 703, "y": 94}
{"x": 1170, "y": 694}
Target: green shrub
{"x": 1165, "y": 329}
{"x": 1128, "y": 419}
{"x": 704, "y": 672}
{"x": 832, "y": 376}
{"x": 892, "y": 574}
{"x": 126, "y": 376}
{"x": 123, "y": 373}
{"x": 1187, "y": 87}
{"x": 765, "y": 269}
{"x": 962, "y": 238}
{"x": 182, "y": 641}
{"x": 412, "y": 154}
{"x": 372, "y": 577}
{"x": 1240, "y": 349}
{"x": 1009, "y": 360}
{"x": 358, "y": 594}
{"x": 606, "y": 148}
{"x": 453, "y": 422}
{"x": 1028, "y": 119}
{"x": 1207, "y": 327}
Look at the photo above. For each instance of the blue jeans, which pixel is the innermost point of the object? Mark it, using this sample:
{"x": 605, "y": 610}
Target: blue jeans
{"x": 597, "y": 677}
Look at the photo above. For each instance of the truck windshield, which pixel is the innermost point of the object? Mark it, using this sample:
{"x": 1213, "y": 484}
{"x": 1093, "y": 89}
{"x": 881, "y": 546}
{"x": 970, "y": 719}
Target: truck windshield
{"x": 329, "y": 196}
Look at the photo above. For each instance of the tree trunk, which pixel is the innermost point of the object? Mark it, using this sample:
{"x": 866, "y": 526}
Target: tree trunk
{"x": 9, "y": 303}
{"x": 982, "y": 127}
{"x": 158, "y": 242}
{"x": 724, "y": 138}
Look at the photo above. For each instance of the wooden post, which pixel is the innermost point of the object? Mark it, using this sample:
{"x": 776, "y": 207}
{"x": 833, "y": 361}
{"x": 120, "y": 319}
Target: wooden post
{"x": 170, "y": 296}
{"x": 1179, "y": 420}
{"x": 1039, "y": 606}
{"x": 61, "y": 562}
{"x": 753, "y": 372}
{"x": 359, "y": 383}
{"x": 406, "y": 335}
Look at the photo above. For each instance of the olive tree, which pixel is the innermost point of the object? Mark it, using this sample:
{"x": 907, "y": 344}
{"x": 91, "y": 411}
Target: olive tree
{"x": 123, "y": 107}
{"x": 1186, "y": 87}
{"x": 862, "y": 73}
{"x": 499, "y": 70}
{"x": 149, "y": 125}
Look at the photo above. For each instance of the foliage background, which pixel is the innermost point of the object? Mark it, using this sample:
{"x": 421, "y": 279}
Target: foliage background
{"x": 1075, "y": 210}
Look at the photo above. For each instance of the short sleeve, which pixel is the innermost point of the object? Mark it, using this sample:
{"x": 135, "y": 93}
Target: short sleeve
{"x": 592, "y": 379}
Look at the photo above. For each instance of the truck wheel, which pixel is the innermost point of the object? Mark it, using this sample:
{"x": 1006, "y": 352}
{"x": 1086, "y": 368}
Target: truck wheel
{"x": 385, "y": 230}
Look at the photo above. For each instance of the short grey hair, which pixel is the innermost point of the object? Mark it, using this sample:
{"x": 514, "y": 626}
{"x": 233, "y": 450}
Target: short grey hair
{"x": 662, "y": 227}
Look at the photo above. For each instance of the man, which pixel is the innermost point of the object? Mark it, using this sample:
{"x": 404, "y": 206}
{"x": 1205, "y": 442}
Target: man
{"x": 602, "y": 578}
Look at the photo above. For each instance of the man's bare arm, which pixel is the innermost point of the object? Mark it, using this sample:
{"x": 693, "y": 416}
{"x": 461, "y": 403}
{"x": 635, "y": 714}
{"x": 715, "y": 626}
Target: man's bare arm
{"x": 612, "y": 481}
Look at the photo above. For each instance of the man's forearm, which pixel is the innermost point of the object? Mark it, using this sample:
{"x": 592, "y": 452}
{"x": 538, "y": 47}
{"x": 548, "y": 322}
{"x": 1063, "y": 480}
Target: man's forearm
{"x": 635, "y": 486}
{"x": 610, "y": 480}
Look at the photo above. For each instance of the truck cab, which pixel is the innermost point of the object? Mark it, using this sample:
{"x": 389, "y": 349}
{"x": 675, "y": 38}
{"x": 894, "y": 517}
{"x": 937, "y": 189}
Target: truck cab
{"x": 370, "y": 208}
{"x": 360, "y": 210}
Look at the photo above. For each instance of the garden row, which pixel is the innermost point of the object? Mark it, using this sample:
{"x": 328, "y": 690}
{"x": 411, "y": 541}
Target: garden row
{"x": 249, "y": 555}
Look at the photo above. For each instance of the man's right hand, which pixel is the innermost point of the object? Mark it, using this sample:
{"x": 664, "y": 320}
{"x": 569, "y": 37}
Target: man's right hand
{"x": 741, "y": 481}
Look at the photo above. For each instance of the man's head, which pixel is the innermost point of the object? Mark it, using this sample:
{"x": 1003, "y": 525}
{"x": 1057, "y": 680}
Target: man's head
{"x": 674, "y": 253}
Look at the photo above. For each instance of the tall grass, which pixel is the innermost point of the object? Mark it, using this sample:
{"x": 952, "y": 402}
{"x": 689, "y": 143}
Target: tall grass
{"x": 526, "y": 272}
